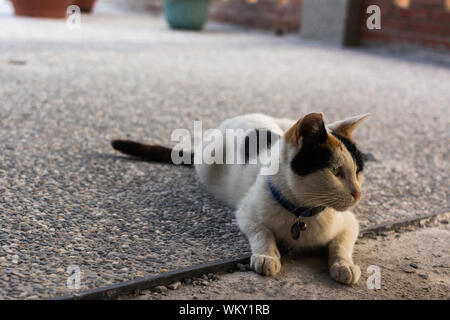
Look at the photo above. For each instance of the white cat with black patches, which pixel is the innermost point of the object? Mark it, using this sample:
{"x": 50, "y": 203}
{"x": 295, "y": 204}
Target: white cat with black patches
{"x": 304, "y": 205}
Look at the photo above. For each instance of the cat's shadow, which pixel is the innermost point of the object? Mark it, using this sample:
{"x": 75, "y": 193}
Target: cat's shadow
{"x": 307, "y": 268}
{"x": 314, "y": 259}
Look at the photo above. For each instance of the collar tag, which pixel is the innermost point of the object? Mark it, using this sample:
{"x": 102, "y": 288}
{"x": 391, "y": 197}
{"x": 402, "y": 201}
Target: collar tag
{"x": 296, "y": 228}
{"x": 299, "y": 212}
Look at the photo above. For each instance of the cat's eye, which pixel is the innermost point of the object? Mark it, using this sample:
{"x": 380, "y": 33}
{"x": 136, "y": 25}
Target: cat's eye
{"x": 336, "y": 171}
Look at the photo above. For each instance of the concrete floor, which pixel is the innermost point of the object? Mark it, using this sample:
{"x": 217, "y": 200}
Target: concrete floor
{"x": 307, "y": 277}
{"x": 66, "y": 198}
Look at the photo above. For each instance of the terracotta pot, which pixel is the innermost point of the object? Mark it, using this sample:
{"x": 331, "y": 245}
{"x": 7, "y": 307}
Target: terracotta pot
{"x": 85, "y": 5}
{"x": 41, "y": 8}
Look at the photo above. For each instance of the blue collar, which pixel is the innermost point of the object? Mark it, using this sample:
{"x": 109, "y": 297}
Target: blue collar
{"x": 289, "y": 206}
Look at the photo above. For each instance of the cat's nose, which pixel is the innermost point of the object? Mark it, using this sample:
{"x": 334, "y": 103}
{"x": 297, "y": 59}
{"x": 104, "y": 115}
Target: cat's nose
{"x": 356, "y": 195}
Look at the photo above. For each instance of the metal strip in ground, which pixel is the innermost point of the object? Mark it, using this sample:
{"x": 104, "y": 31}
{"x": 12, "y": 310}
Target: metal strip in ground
{"x": 113, "y": 291}
{"x": 124, "y": 288}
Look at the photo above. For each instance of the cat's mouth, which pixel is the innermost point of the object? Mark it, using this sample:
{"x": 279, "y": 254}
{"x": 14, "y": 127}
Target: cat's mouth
{"x": 345, "y": 207}
{"x": 340, "y": 208}
{"x": 346, "y": 203}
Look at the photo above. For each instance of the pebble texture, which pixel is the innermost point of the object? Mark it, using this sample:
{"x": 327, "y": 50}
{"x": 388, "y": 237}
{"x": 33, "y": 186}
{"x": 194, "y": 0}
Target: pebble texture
{"x": 307, "y": 277}
{"x": 67, "y": 199}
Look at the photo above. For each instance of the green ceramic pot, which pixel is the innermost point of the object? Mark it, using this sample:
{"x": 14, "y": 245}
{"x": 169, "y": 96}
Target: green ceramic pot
{"x": 186, "y": 14}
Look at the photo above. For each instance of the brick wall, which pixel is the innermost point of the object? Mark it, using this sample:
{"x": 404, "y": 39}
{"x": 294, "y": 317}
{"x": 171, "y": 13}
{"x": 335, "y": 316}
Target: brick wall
{"x": 424, "y": 23}
{"x": 263, "y": 14}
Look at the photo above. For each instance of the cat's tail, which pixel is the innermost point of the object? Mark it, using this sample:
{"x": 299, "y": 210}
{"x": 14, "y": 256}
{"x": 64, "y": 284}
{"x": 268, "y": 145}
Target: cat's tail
{"x": 153, "y": 153}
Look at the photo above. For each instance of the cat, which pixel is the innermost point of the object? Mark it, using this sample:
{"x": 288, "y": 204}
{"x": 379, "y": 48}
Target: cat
{"x": 305, "y": 204}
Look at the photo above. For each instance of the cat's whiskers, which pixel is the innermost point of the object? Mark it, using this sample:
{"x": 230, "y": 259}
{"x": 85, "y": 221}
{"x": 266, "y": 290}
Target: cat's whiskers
{"x": 327, "y": 203}
{"x": 309, "y": 209}
{"x": 327, "y": 195}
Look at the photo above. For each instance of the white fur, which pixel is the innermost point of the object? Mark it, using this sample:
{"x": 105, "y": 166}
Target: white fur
{"x": 265, "y": 222}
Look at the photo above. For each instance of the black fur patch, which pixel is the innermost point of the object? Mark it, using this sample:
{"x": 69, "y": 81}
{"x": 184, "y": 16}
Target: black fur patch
{"x": 354, "y": 151}
{"x": 311, "y": 158}
{"x": 258, "y": 133}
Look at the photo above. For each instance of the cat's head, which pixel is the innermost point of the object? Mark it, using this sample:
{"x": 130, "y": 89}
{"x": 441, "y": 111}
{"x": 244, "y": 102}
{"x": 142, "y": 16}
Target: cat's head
{"x": 324, "y": 165}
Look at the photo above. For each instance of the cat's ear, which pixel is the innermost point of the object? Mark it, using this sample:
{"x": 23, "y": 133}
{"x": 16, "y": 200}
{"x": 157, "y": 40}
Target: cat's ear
{"x": 346, "y": 127}
{"x": 308, "y": 130}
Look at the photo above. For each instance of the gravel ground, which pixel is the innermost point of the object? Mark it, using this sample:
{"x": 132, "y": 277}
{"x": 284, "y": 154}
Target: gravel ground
{"x": 66, "y": 198}
{"x": 413, "y": 265}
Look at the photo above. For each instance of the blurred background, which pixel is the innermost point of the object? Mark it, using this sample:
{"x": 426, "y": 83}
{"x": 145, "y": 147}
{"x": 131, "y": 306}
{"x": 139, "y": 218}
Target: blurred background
{"x": 423, "y": 23}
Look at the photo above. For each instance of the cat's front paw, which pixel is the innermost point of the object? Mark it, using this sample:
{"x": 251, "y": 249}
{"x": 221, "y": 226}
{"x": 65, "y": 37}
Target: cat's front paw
{"x": 265, "y": 264}
{"x": 344, "y": 272}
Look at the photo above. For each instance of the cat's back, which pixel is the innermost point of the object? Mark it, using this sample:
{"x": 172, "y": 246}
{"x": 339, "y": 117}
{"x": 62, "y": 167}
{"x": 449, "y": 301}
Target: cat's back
{"x": 229, "y": 182}
{"x": 252, "y": 121}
